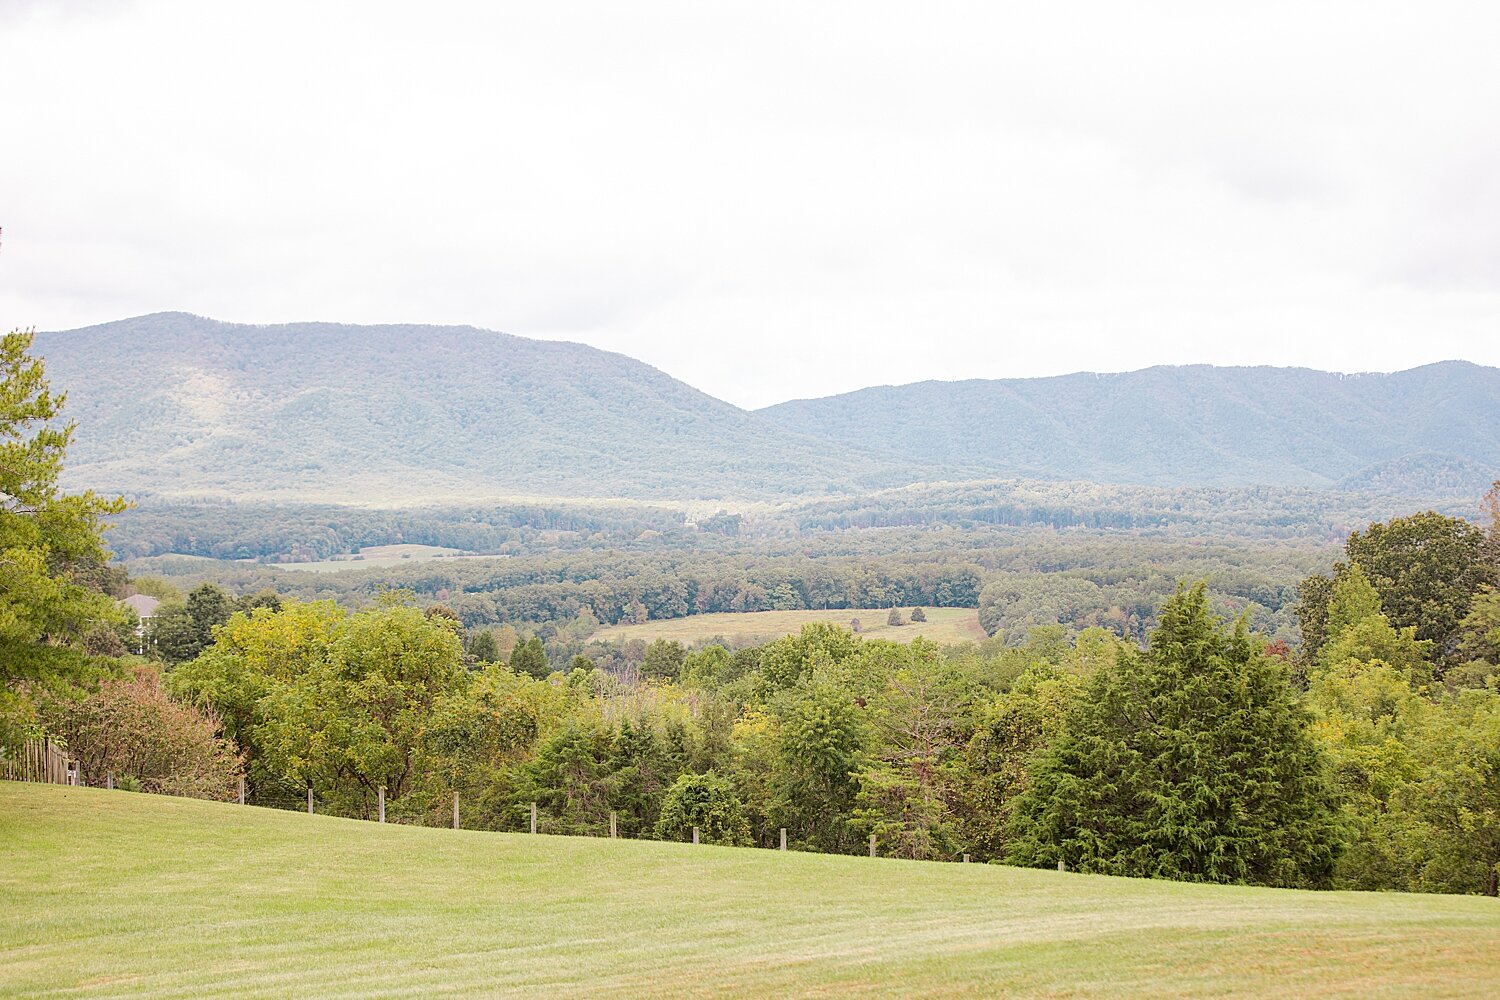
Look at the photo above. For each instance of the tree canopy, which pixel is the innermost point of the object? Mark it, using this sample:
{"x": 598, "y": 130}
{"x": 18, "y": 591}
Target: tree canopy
{"x": 1189, "y": 761}
{"x": 53, "y": 563}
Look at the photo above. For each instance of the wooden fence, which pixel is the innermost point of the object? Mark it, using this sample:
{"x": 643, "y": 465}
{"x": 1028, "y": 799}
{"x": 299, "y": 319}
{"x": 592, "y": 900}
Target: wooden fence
{"x": 39, "y": 760}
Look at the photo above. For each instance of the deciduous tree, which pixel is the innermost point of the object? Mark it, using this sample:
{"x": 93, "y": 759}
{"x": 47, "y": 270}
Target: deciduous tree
{"x": 51, "y": 547}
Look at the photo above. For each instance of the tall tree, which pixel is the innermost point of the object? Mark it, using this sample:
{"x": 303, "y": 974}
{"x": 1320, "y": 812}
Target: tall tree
{"x": 819, "y": 749}
{"x": 1190, "y": 760}
{"x": 1426, "y": 568}
{"x": 181, "y": 633}
{"x": 903, "y": 796}
{"x": 51, "y": 547}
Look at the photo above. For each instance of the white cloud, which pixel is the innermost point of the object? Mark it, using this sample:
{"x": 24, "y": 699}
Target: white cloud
{"x": 773, "y": 200}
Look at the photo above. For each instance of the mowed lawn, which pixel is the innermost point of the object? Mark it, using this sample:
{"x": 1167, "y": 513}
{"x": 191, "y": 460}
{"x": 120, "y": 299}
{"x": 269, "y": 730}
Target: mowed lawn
{"x": 943, "y": 625}
{"x": 121, "y": 894}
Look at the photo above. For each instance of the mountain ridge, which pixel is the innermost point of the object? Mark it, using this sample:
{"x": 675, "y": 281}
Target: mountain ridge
{"x": 178, "y": 404}
{"x": 1178, "y": 425}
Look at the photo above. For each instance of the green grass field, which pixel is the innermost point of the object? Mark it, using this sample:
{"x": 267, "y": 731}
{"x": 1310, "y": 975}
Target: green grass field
{"x": 118, "y": 894}
{"x": 943, "y": 625}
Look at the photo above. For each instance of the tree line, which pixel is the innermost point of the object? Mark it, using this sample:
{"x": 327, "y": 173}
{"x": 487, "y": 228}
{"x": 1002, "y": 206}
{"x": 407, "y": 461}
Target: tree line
{"x": 1369, "y": 757}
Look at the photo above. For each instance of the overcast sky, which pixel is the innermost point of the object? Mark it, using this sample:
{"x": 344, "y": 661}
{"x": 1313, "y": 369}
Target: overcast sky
{"x": 773, "y": 200}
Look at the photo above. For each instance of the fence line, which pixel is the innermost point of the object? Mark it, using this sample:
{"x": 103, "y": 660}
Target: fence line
{"x": 40, "y": 760}
{"x": 43, "y": 761}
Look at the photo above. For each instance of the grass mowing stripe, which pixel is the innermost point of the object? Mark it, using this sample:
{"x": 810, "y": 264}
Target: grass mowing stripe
{"x": 117, "y": 894}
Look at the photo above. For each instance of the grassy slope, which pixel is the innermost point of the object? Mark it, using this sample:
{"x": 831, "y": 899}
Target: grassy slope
{"x": 113, "y": 893}
{"x": 943, "y": 625}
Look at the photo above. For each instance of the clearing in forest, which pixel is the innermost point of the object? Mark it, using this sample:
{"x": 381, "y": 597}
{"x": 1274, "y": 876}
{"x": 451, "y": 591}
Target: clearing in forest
{"x": 943, "y": 626}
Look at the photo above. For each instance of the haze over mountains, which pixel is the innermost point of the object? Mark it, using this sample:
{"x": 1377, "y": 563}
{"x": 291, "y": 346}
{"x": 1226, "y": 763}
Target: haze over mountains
{"x": 1437, "y": 426}
{"x": 178, "y": 404}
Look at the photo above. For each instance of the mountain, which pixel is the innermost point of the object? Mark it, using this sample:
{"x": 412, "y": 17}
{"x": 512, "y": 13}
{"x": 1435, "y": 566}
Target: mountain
{"x": 1434, "y": 428}
{"x": 178, "y": 404}
{"x": 174, "y": 404}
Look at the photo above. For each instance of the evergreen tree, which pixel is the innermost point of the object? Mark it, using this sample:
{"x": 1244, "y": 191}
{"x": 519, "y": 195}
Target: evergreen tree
{"x": 530, "y": 658}
{"x": 571, "y": 779}
{"x": 642, "y": 772}
{"x": 664, "y": 659}
{"x": 482, "y": 647}
{"x": 1188, "y": 761}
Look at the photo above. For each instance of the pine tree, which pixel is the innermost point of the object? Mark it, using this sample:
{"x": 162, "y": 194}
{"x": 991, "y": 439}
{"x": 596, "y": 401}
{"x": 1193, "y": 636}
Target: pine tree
{"x": 530, "y": 658}
{"x": 1188, "y": 761}
{"x": 482, "y": 647}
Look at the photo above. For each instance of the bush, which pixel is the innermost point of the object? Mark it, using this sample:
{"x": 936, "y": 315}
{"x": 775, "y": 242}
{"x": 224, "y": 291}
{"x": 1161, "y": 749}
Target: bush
{"x": 918, "y": 615}
{"x": 895, "y": 618}
{"x": 708, "y": 802}
{"x": 131, "y": 728}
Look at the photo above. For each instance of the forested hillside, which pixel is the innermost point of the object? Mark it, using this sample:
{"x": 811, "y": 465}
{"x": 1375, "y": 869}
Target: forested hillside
{"x": 175, "y": 405}
{"x": 1430, "y": 429}
{"x": 172, "y": 404}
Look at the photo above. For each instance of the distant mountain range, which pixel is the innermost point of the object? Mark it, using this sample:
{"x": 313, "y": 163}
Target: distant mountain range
{"x": 1434, "y": 427}
{"x": 176, "y": 404}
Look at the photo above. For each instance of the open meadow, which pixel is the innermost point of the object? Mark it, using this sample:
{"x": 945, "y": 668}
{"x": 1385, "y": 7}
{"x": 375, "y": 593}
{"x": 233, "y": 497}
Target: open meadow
{"x": 112, "y": 894}
{"x": 943, "y": 626}
{"x": 382, "y": 556}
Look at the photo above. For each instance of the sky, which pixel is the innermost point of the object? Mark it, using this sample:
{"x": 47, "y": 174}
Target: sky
{"x": 773, "y": 200}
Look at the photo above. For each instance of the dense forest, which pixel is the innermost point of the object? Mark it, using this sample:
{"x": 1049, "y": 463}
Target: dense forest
{"x": 299, "y": 532}
{"x": 1024, "y": 553}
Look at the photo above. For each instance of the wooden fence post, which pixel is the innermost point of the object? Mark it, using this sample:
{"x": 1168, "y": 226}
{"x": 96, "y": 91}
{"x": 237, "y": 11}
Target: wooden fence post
{"x": 382, "y": 803}
{"x": 966, "y": 859}
{"x": 309, "y": 798}
{"x": 872, "y": 845}
{"x": 695, "y": 834}
{"x": 455, "y": 809}
{"x": 783, "y": 838}
{"x": 109, "y": 782}
{"x": 533, "y": 817}
{"x": 242, "y": 789}
{"x": 613, "y": 830}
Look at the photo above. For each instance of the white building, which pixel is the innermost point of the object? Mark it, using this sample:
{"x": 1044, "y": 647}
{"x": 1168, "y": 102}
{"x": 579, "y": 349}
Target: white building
{"x": 144, "y": 607}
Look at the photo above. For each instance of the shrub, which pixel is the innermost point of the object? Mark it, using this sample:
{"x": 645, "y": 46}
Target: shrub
{"x": 708, "y": 802}
{"x": 918, "y": 615}
{"x": 131, "y": 728}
